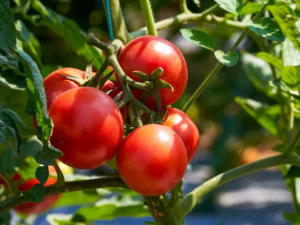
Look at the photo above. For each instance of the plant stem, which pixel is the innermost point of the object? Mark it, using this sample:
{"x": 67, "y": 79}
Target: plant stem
{"x": 179, "y": 19}
{"x": 219, "y": 66}
{"x": 148, "y": 17}
{"x": 60, "y": 177}
{"x": 194, "y": 197}
{"x": 119, "y": 26}
{"x": 162, "y": 213}
{"x": 183, "y": 7}
{"x": 102, "y": 182}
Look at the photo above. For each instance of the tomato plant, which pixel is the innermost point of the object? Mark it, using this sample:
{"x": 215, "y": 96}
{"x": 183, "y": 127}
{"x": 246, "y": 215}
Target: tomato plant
{"x": 184, "y": 126}
{"x": 147, "y": 53}
{"x": 88, "y": 127}
{"x": 152, "y": 168}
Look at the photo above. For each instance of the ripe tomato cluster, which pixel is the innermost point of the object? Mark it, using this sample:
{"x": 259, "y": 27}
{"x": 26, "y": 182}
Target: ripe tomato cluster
{"x": 89, "y": 126}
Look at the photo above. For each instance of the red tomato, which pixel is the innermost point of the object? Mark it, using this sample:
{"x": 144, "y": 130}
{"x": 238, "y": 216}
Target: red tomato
{"x": 152, "y": 159}
{"x": 109, "y": 85}
{"x": 88, "y": 127}
{"x": 184, "y": 126}
{"x": 36, "y": 207}
{"x": 146, "y": 53}
{"x": 55, "y": 85}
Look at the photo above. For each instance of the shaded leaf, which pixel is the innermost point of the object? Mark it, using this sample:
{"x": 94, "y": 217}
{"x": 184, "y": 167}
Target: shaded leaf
{"x": 293, "y": 172}
{"x": 259, "y": 73}
{"x": 5, "y": 217}
{"x": 68, "y": 30}
{"x": 286, "y": 18}
{"x": 271, "y": 59}
{"x": 267, "y": 28}
{"x": 42, "y": 174}
{"x": 47, "y": 157}
{"x": 30, "y": 147}
{"x": 36, "y": 194}
{"x": 8, "y": 160}
{"x": 278, "y": 83}
{"x": 228, "y": 59}
{"x": 232, "y": 6}
{"x": 260, "y": 112}
{"x": 9, "y": 123}
{"x": 199, "y": 38}
{"x": 7, "y": 27}
{"x": 30, "y": 42}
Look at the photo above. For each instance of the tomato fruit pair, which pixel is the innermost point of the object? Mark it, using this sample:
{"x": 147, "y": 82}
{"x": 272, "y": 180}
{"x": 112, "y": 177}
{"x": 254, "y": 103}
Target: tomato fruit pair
{"x": 88, "y": 127}
{"x": 152, "y": 159}
{"x": 147, "y": 53}
{"x": 35, "y": 207}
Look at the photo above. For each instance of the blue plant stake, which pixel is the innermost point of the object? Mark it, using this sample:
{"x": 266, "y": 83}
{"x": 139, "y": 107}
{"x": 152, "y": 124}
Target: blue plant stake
{"x": 109, "y": 20}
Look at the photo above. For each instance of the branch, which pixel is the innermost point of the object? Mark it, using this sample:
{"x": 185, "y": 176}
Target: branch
{"x": 194, "y": 197}
{"x": 219, "y": 65}
{"x": 183, "y": 7}
{"x": 102, "y": 182}
{"x": 179, "y": 19}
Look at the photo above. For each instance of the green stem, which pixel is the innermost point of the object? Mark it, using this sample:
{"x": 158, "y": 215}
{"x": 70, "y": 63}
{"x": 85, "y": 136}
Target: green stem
{"x": 102, "y": 182}
{"x": 95, "y": 81}
{"x": 219, "y": 66}
{"x": 148, "y": 17}
{"x": 163, "y": 214}
{"x": 183, "y": 7}
{"x": 119, "y": 26}
{"x": 194, "y": 197}
{"x": 179, "y": 19}
{"x": 60, "y": 177}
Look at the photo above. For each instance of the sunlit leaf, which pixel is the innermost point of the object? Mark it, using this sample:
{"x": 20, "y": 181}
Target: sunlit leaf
{"x": 198, "y": 37}
{"x": 228, "y": 59}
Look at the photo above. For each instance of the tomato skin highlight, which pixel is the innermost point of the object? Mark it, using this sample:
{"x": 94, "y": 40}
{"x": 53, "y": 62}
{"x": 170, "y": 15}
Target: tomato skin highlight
{"x": 184, "y": 126}
{"x": 88, "y": 127}
{"x": 147, "y": 53}
{"x": 36, "y": 207}
{"x": 152, "y": 160}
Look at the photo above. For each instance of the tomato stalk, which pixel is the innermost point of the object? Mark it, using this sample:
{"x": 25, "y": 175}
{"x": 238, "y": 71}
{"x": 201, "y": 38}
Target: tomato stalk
{"x": 60, "y": 177}
{"x": 119, "y": 26}
{"x": 219, "y": 65}
{"x": 102, "y": 182}
{"x": 95, "y": 81}
{"x": 148, "y": 17}
{"x": 183, "y": 7}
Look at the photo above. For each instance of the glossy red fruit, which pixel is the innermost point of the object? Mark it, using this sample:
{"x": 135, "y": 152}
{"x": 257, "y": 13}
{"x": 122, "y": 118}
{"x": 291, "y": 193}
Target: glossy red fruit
{"x": 184, "y": 126}
{"x": 36, "y": 207}
{"x": 88, "y": 127}
{"x": 145, "y": 54}
{"x": 152, "y": 159}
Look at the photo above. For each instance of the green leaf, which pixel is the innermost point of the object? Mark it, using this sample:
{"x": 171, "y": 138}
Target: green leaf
{"x": 293, "y": 172}
{"x": 42, "y": 174}
{"x": 5, "y": 218}
{"x": 7, "y": 27}
{"x": 30, "y": 43}
{"x": 279, "y": 84}
{"x": 9, "y": 123}
{"x": 47, "y": 157}
{"x": 290, "y": 75}
{"x": 108, "y": 209}
{"x": 267, "y": 28}
{"x": 150, "y": 223}
{"x": 259, "y": 73}
{"x": 228, "y": 59}
{"x": 8, "y": 160}
{"x": 261, "y": 113}
{"x": 199, "y": 38}
{"x": 250, "y": 8}
{"x": 81, "y": 197}
{"x": 30, "y": 147}
{"x": 68, "y": 30}
{"x": 271, "y": 59}
{"x": 232, "y": 6}
{"x": 290, "y": 55}
{"x": 286, "y": 18}
{"x": 36, "y": 194}
{"x": 291, "y": 217}
{"x": 36, "y": 93}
